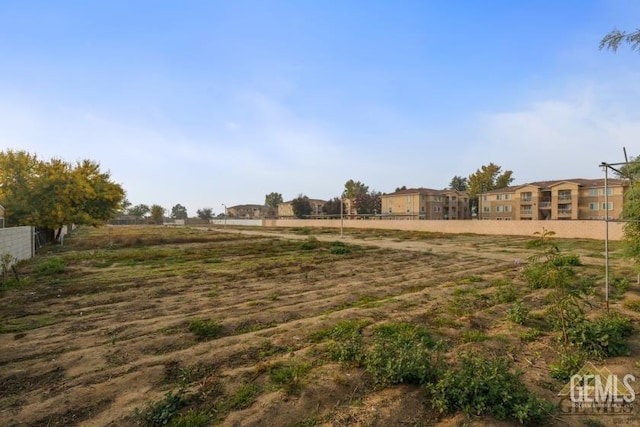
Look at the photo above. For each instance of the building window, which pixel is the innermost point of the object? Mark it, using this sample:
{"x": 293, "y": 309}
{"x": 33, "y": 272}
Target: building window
{"x": 485, "y": 198}
{"x": 437, "y": 198}
{"x": 422, "y": 208}
{"x": 499, "y": 208}
{"x": 609, "y": 191}
{"x": 594, "y": 206}
{"x": 437, "y": 209}
{"x": 507, "y": 208}
{"x": 593, "y": 192}
{"x": 498, "y": 196}
{"x": 526, "y": 196}
{"x": 609, "y": 207}
{"x": 564, "y": 194}
{"x": 486, "y": 209}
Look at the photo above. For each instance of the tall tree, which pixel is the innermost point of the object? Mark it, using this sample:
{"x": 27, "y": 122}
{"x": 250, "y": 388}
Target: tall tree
{"x": 332, "y": 207}
{"x": 272, "y": 200}
{"x": 353, "y": 189}
{"x": 404, "y": 187}
{"x": 179, "y": 212}
{"x": 157, "y": 214}
{"x": 301, "y": 206}
{"x": 17, "y": 174}
{"x": 205, "y": 213}
{"x": 458, "y": 183}
{"x": 139, "y": 211}
{"x": 487, "y": 178}
{"x": 369, "y": 203}
{"x": 613, "y": 39}
{"x": 56, "y": 193}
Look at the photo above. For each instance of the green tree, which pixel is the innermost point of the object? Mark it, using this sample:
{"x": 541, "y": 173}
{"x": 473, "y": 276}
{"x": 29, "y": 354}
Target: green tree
{"x": 353, "y": 189}
{"x": 157, "y": 214}
{"x": 205, "y": 213}
{"x": 613, "y": 39}
{"x": 458, "y": 183}
{"x": 56, "y": 193}
{"x": 368, "y": 203}
{"x": 179, "y": 212}
{"x": 139, "y": 211}
{"x": 332, "y": 207}
{"x": 404, "y": 187}
{"x": 272, "y": 200}
{"x": 488, "y": 177}
{"x": 17, "y": 173}
{"x": 301, "y": 206}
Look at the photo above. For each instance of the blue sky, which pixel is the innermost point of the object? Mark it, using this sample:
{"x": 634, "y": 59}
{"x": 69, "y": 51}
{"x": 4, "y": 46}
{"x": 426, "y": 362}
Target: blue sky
{"x": 209, "y": 102}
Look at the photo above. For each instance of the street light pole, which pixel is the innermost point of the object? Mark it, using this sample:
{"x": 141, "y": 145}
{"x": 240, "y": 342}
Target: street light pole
{"x": 225, "y": 215}
{"x": 341, "y": 217}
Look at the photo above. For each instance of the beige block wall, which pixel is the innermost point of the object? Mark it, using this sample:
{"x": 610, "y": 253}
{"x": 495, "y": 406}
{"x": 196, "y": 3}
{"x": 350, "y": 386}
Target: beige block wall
{"x": 17, "y": 241}
{"x": 563, "y": 229}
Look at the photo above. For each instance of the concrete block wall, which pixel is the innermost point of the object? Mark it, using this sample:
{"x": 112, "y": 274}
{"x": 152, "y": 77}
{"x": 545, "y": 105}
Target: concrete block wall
{"x": 563, "y": 229}
{"x": 17, "y": 241}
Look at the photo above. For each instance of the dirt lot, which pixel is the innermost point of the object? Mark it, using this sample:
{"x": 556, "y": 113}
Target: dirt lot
{"x": 132, "y": 326}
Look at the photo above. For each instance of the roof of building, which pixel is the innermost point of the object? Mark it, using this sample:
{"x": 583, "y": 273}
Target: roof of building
{"x": 246, "y": 207}
{"x": 595, "y": 183}
{"x": 319, "y": 201}
{"x": 427, "y": 191}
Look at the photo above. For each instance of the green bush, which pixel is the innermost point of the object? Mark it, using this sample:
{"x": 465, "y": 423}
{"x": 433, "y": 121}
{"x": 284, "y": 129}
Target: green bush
{"x": 161, "y": 412}
{"x": 402, "y": 353}
{"x": 568, "y": 364}
{"x": 530, "y": 335}
{"x": 205, "y": 329}
{"x": 506, "y": 291}
{"x": 346, "y": 343}
{"x": 518, "y": 313}
{"x": 633, "y": 305}
{"x": 483, "y": 386}
{"x": 339, "y": 248}
{"x": 568, "y": 259}
{"x": 50, "y": 266}
{"x": 191, "y": 418}
{"x": 602, "y": 337}
{"x": 619, "y": 286}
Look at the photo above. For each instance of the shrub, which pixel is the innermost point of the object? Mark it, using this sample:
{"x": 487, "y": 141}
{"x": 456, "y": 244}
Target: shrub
{"x": 51, "y": 266}
{"x": 633, "y": 305}
{"x": 530, "y": 335}
{"x": 345, "y": 340}
{"x": 518, "y": 313}
{"x": 506, "y": 291}
{"x": 402, "y": 353}
{"x": 483, "y": 386}
{"x": 619, "y": 285}
{"x": 602, "y": 337}
{"x": 289, "y": 376}
{"x": 339, "y": 248}
{"x": 205, "y": 329}
{"x": 568, "y": 259}
{"x": 161, "y": 412}
{"x": 568, "y": 364}
{"x": 192, "y": 418}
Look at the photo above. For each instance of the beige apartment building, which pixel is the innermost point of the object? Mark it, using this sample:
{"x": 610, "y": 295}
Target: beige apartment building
{"x": 246, "y": 211}
{"x": 285, "y": 209}
{"x": 426, "y": 203}
{"x": 562, "y": 199}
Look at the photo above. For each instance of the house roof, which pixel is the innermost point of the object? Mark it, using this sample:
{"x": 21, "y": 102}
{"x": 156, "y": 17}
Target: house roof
{"x": 543, "y": 185}
{"x": 426, "y": 191}
{"x": 246, "y": 207}
{"x": 318, "y": 201}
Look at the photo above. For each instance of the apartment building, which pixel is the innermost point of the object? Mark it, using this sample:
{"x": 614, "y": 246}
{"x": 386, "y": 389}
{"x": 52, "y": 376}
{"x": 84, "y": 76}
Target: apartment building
{"x": 426, "y": 203}
{"x": 562, "y": 199}
{"x": 246, "y": 211}
{"x": 285, "y": 209}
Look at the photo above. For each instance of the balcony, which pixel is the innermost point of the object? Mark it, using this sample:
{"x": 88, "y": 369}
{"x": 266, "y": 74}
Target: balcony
{"x": 545, "y": 205}
{"x": 564, "y": 212}
{"x": 526, "y": 212}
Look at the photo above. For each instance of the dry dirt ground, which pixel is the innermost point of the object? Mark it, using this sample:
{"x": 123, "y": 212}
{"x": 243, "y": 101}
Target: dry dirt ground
{"x": 128, "y": 326}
